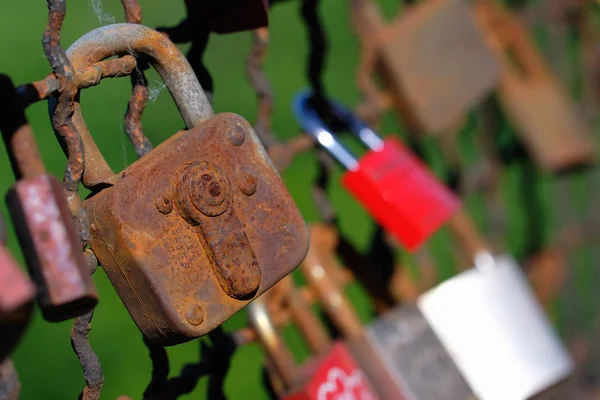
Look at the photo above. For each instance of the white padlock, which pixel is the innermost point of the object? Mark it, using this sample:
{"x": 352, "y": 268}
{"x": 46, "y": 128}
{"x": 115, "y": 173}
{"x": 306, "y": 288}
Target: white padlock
{"x": 492, "y": 325}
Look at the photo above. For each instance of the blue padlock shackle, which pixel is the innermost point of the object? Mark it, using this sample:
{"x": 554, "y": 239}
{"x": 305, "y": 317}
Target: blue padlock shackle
{"x": 312, "y": 124}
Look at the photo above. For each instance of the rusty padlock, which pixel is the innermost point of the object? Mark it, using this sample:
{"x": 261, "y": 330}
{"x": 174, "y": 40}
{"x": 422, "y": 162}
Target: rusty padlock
{"x": 433, "y": 60}
{"x": 16, "y": 297}
{"x": 397, "y": 189}
{"x": 545, "y": 118}
{"x": 201, "y": 225}
{"x": 42, "y": 220}
{"x": 399, "y": 352}
{"x": 329, "y": 376}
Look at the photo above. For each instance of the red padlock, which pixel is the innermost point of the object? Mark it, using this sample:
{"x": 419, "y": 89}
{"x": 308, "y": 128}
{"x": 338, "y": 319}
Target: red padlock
{"x": 395, "y": 187}
{"x": 336, "y": 377}
{"x": 331, "y": 375}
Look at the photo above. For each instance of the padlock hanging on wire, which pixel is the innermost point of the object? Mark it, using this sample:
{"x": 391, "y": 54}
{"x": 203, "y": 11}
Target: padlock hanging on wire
{"x": 332, "y": 374}
{"x": 193, "y": 231}
{"x": 42, "y": 219}
{"x": 497, "y": 332}
{"x": 395, "y": 187}
{"x": 399, "y": 352}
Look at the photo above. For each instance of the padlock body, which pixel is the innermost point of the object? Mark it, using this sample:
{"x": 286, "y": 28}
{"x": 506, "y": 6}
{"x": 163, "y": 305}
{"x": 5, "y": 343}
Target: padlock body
{"x": 435, "y": 58}
{"x": 196, "y": 229}
{"x": 16, "y": 297}
{"x": 51, "y": 247}
{"x": 336, "y": 375}
{"x": 401, "y": 193}
{"x": 402, "y": 357}
{"x": 548, "y": 122}
{"x": 491, "y": 318}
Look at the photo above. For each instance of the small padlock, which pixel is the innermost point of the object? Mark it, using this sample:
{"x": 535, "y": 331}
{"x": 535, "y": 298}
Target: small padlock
{"x": 545, "y": 118}
{"x": 395, "y": 186}
{"x": 201, "y": 225}
{"x": 399, "y": 353}
{"x": 16, "y": 297}
{"x": 331, "y": 376}
{"x": 433, "y": 59}
{"x": 42, "y": 220}
{"x": 497, "y": 333}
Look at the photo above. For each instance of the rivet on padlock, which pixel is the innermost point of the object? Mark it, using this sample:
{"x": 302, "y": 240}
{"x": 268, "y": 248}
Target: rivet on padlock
{"x": 16, "y": 298}
{"x": 42, "y": 220}
{"x": 394, "y": 185}
{"x": 201, "y": 224}
{"x": 490, "y": 316}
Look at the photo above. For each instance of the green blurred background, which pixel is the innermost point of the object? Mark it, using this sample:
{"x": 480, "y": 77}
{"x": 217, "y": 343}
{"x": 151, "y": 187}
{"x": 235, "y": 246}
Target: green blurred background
{"x": 48, "y": 367}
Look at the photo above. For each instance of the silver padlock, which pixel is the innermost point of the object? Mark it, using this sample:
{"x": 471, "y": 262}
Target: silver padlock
{"x": 410, "y": 352}
{"x": 496, "y": 331}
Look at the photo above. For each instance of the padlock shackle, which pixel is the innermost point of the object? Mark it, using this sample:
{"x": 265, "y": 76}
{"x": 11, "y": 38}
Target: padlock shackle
{"x": 260, "y": 319}
{"x": 163, "y": 55}
{"x": 312, "y": 124}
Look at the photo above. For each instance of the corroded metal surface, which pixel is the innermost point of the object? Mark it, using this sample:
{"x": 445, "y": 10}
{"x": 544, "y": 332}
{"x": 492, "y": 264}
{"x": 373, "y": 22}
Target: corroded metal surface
{"x": 51, "y": 247}
{"x": 140, "y": 92}
{"x": 161, "y": 53}
{"x": 201, "y": 271}
{"x": 43, "y": 220}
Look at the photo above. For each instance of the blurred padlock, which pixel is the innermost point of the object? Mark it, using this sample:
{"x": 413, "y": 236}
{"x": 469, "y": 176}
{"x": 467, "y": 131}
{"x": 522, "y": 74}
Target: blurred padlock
{"x": 330, "y": 376}
{"x": 397, "y": 189}
{"x": 201, "y": 225}
{"x": 497, "y": 333}
{"x": 16, "y": 297}
{"x": 433, "y": 59}
{"x": 42, "y": 220}
{"x": 545, "y": 118}
{"x": 399, "y": 353}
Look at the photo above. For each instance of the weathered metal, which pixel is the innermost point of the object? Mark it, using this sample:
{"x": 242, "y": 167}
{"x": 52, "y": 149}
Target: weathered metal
{"x": 140, "y": 92}
{"x": 545, "y": 117}
{"x": 433, "y": 60}
{"x": 211, "y": 186}
{"x": 43, "y": 220}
